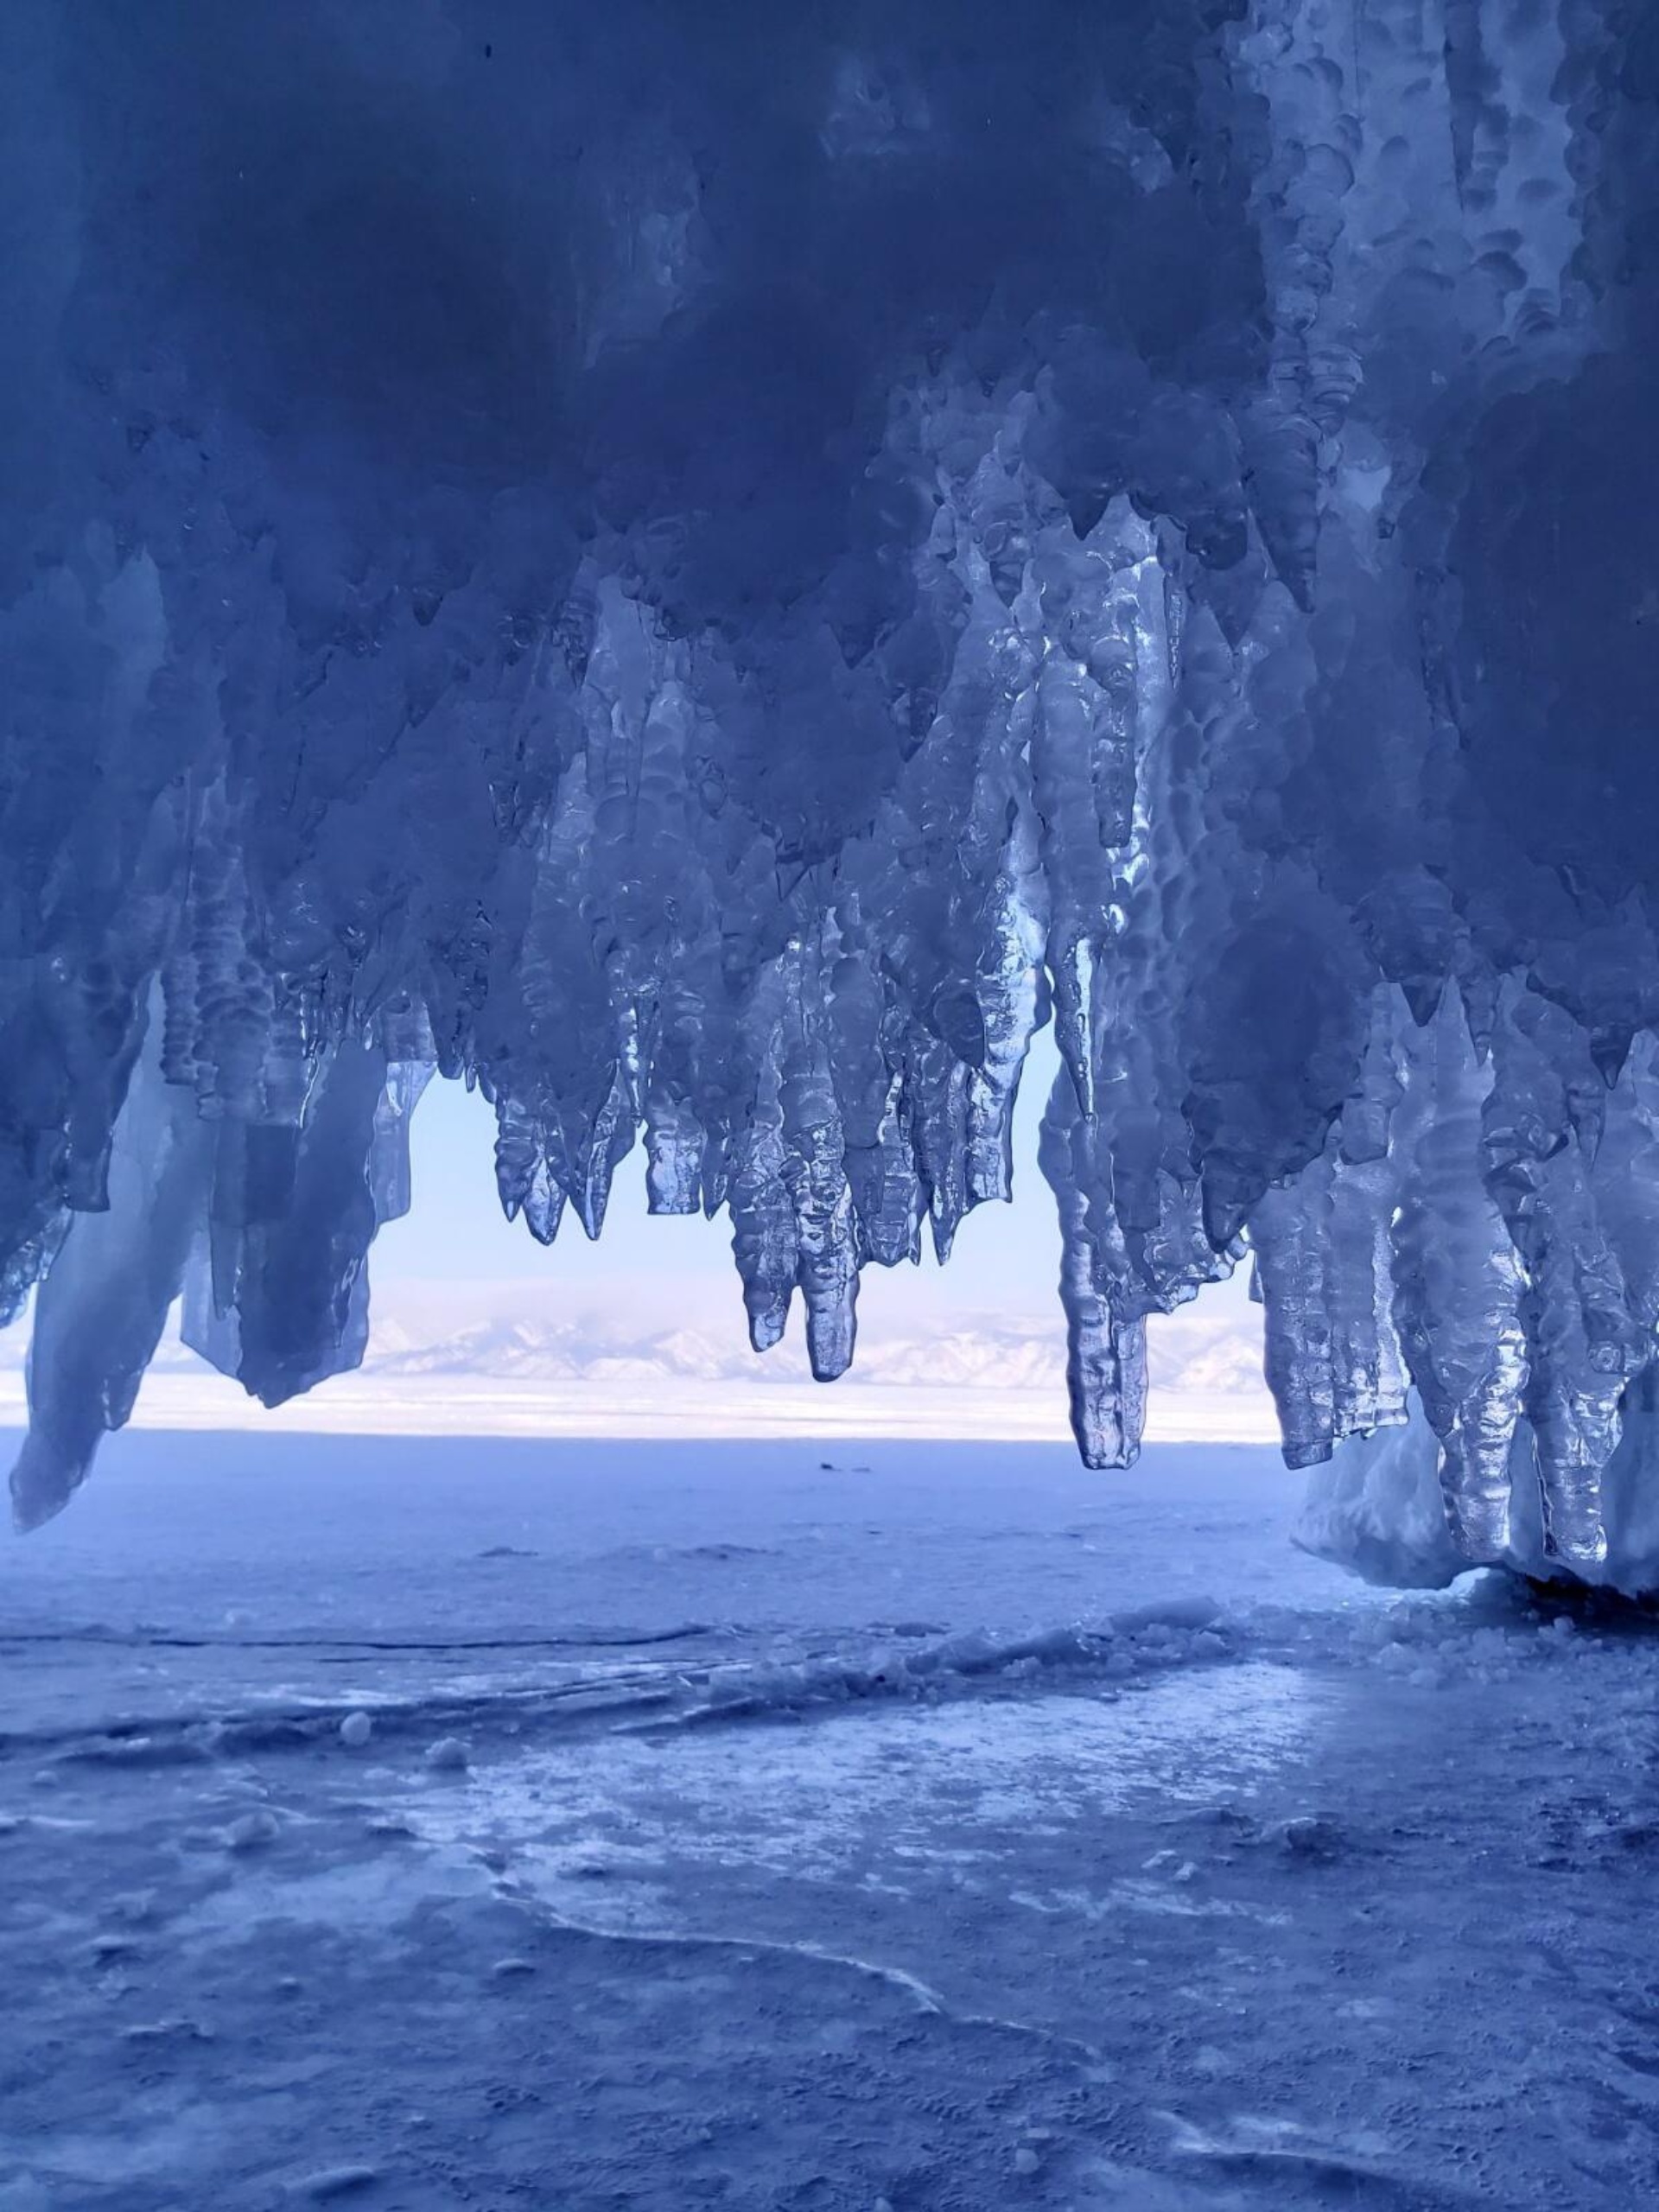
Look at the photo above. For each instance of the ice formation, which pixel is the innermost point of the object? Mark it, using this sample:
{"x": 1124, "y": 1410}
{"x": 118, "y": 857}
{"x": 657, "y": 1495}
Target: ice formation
{"x": 708, "y": 570}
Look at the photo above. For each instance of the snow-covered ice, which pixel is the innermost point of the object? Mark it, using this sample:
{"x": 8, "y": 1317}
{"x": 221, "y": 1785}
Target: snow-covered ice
{"x": 946, "y": 1833}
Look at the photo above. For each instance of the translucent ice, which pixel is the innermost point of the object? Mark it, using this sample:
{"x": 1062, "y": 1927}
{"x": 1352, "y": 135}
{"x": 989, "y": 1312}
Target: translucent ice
{"x": 708, "y": 573}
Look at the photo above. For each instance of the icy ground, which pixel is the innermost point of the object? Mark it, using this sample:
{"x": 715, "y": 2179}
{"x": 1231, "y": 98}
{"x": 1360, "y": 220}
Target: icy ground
{"x": 735, "y": 1830}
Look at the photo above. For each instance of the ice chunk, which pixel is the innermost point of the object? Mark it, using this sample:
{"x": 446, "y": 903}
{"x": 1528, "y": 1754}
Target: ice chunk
{"x": 252, "y": 1831}
{"x": 331, "y": 2184}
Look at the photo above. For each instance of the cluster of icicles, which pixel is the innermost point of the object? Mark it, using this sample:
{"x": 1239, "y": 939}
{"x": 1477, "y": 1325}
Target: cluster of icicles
{"x": 746, "y": 750}
{"x": 1476, "y": 1211}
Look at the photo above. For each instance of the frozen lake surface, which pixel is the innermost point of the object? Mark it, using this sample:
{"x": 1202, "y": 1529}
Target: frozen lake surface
{"x": 943, "y": 1827}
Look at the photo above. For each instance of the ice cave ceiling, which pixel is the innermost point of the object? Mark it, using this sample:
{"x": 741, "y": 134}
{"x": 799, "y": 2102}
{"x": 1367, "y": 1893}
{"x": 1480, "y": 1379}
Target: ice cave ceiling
{"x": 709, "y": 569}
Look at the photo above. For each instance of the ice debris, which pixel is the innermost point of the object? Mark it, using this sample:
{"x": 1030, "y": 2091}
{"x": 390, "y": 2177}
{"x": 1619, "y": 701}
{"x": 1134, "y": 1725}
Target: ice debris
{"x": 252, "y": 1831}
{"x": 712, "y": 579}
{"x": 355, "y": 1730}
{"x": 180, "y": 2030}
{"x": 333, "y": 2183}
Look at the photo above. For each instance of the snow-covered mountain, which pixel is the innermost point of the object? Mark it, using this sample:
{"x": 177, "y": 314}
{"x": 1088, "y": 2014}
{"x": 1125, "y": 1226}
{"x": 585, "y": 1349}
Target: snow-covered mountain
{"x": 522, "y": 1356}
{"x": 528, "y": 1345}
{"x": 533, "y": 1332}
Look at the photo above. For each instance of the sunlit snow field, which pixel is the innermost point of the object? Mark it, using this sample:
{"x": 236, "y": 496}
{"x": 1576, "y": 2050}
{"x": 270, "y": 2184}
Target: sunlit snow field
{"x": 941, "y": 1826}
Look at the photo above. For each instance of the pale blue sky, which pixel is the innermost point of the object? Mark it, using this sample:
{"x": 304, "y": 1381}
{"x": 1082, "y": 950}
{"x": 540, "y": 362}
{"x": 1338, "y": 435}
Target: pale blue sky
{"x": 1007, "y": 1257}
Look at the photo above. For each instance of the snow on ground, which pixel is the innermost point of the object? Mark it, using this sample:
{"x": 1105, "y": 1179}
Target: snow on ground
{"x": 944, "y": 1827}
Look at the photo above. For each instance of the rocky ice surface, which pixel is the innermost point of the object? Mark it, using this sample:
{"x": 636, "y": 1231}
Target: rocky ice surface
{"x": 684, "y": 1827}
{"x": 709, "y": 573}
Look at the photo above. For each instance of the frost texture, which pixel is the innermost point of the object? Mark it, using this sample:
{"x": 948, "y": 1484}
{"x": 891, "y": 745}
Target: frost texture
{"x": 709, "y": 571}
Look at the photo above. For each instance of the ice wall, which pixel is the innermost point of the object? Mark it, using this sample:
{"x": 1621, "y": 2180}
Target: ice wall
{"x": 709, "y": 570}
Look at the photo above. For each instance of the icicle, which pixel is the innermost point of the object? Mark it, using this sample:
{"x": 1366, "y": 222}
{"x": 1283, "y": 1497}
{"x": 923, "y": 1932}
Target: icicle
{"x": 102, "y": 1308}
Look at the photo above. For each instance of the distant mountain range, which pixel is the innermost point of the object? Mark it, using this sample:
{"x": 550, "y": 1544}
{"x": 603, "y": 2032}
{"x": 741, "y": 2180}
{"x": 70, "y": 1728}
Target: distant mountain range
{"x": 518, "y": 1358}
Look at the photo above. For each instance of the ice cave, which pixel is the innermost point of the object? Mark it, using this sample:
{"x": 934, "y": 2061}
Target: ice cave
{"x": 709, "y": 573}
{"x": 708, "y": 578}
